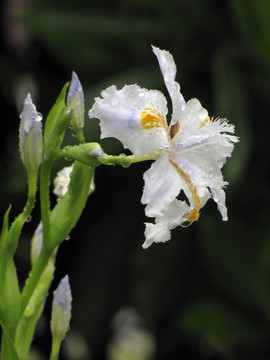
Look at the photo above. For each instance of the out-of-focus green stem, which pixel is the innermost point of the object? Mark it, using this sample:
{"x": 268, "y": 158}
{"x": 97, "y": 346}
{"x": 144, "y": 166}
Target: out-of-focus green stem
{"x": 34, "y": 276}
{"x": 55, "y": 355}
{"x": 46, "y": 251}
{"x": 45, "y": 198}
{"x": 18, "y": 223}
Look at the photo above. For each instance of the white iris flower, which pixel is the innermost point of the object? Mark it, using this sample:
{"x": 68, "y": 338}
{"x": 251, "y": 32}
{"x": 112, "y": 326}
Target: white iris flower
{"x": 192, "y": 148}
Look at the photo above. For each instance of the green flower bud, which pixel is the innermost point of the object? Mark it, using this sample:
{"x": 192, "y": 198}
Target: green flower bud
{"x": 36, "y": 244}
{"x": 30, "y": 137}
{"x": 61, "y": 313}
{"x": 75, "y": 99}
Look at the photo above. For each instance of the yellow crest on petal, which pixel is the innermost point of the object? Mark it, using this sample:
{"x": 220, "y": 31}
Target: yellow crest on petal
{"x": 151, "y": 118}
{"x": 205, "y": 122}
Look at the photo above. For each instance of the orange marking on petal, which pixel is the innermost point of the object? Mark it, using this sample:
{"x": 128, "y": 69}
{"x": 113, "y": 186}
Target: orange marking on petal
{"x": 194, "y": 214}
{"x": 205, "y": 122}
{"x": 152, "y": 118}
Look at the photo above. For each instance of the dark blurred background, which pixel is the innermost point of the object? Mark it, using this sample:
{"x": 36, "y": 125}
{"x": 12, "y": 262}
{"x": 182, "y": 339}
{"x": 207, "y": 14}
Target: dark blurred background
{"x": 206, "y": 293}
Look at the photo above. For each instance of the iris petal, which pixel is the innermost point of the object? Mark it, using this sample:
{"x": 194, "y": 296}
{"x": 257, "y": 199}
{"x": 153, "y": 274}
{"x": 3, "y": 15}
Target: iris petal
{"x": 122, "y": 115}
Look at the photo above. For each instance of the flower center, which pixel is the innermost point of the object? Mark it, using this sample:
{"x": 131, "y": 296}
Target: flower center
{"x": 194, "y": 214}
{"x": 174, "y": 129}
{"x": 152, "y": 118}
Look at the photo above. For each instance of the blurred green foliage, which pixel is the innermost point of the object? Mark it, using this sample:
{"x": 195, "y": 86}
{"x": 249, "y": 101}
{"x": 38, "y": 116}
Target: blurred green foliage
{"x": 206, "y": 293}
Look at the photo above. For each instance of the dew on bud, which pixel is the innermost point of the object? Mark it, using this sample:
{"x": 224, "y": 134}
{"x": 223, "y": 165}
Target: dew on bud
{"x": 28, "y": 218}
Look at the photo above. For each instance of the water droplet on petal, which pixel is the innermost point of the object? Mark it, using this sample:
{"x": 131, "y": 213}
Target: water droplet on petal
{"x": 114, "y": 101}
{"x": 39, "y": 116}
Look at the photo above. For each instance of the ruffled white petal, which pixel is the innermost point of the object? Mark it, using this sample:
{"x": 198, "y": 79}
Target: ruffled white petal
{"x": 162, "y": 185}
{"x": 121, "y": 116}
{"x": 168, "y": 69}
{"x": 219, "y": 197}
{"x": 176, "y": 214}
{"x": 197, "y": 129}
{"x": 201, "y": 148}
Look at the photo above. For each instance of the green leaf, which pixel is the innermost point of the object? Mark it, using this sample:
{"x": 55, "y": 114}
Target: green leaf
{"x": 4, "y": 232}
{"x": 8, "y": 351}
{"x": 68, "y": 210}
{"x": 221, "y": 326}
{"x": 9, "y": 288}
{"x": 81, "y": 38}
{"x": 56, "y": 124}
{"x": 252, "y": 18}
{"x": 26, "y": 327}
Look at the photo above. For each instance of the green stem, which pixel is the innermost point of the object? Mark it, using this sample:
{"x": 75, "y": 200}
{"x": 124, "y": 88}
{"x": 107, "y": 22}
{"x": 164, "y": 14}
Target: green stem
{"x": 45, "y": 199}
{"x": 54, "y": 356}
{"x": 87, "y": 154}
{"x": 56, "y": 343}
{"x": 18, "y": 223}
{"x": 46, "y": 252}
{"x": 34, "y": 276}
{"x": 125, "y": 160}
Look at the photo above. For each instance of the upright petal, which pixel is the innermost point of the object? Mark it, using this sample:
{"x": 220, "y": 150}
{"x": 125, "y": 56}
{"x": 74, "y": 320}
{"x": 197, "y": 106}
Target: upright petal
{"x": 168, "y": 69}
{"x": 135, "y": 116}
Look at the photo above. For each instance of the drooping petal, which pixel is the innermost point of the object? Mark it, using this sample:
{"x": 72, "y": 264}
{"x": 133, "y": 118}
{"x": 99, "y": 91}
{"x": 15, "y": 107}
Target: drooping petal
{"x": 176, "y": 214}
{"x": 162, "y": 185}
{"x": 135, "y": 116}
{"x": 168, "y": 69}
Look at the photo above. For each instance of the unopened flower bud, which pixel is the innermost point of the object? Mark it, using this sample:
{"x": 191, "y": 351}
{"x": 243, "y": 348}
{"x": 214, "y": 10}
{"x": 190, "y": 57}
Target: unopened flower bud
{"x": 30, "y": 137}
{"x": 75, "y": 99}
{"x": 36, "y": 244}
{"x": 61, "y": 311}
